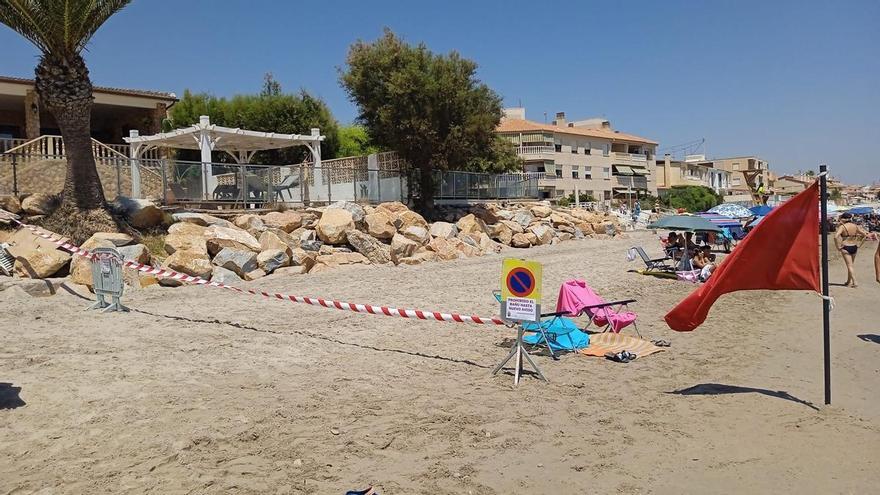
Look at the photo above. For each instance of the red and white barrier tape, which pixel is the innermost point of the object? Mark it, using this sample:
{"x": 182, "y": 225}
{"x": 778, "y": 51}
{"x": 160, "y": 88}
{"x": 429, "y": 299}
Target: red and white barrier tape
{"x": 331, "y": 304}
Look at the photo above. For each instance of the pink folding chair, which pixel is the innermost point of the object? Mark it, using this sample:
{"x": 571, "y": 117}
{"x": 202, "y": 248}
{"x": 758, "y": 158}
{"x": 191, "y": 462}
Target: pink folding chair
{"x": 578, "y": 298}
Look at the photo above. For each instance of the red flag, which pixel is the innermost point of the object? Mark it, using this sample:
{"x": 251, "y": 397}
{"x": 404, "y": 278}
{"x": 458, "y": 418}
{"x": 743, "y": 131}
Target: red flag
{"x": 781, "y": 252}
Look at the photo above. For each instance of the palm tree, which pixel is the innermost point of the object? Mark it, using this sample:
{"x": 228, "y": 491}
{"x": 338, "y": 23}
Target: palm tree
{"x": 61, "y": 30}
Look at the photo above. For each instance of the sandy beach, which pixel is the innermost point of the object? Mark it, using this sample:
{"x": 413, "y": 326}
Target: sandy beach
{"x": 200, "y": 390}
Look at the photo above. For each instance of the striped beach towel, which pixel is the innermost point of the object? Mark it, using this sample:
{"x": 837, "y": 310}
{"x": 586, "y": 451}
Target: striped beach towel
{"x": 601, "y": 343}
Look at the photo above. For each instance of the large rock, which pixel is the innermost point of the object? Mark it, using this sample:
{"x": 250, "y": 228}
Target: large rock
{"x": 200, "y": 219}
{"x": 523, "y": 218}
{"x": 195, "y": 263}
{"x": 504, "y": 214}
{"x": 117, "y": 238}
{"x": 406, "y": 219}
{"x": 419, "y": 257}
{"x": 369, "y": 246}
{"x": 356, "y": 210}
{"x": 273, "y": 240}
{"x": 32, "y": 287}
{"x": 342, "y": 259}
{"x": 251, "y": 223}
{"x": 254, "y": 274}
{"x": 35, "y": 257}
{"x": 334, "y": 223}
{"x": 287, "y": 221}
{"x": 470, "y": 224}
{"x": 238, "y": 260}
{"x": 445, "y": 230}
{"x": 472, "y": 239}
{"x": 520, "y": 240}
{"x": 10, "y": 204}
{"x": 218, "y": 238}
{"x": 486, "y": 213}
{"x": 185, "y": 242}
{"x": 392, "y": 208}
{"x": 544, "y": 233}
{"x": 224, "y": 276}
{"x": 416, "y": 233}
{"x": 38, "y": 204}
{"x": 380, "y": 225}
{"x": 465, "y": 248}
{"x": 272, "y": 259}
{"x": 187, "y": 228}
{"x": 136, "y": 252}
{"x": 559, "y": 218}
{"x": 444, "y": 248}
{"x": 487, "y": 245}
{"x": 80, "y": 267}
{"x": 303, "y": 258}
{"x": 541, "y": 211}
{"x": 501, "y": 232}
{"x": 401, "y": 247}
{"x": 141, "y": 213}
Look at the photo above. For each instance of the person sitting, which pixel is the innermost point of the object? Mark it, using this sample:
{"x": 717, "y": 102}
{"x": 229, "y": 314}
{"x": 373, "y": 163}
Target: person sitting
{"x": 704, "y": 261}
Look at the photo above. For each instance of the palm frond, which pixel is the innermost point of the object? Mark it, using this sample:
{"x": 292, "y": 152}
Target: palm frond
{"x": 59, "y": 27}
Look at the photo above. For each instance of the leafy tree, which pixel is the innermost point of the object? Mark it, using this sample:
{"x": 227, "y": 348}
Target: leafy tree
{"x": 430, "y": 108}
{"x": 61, "y": 30}
{"x": 268, "y": 112}
{"x": 692, "y": 198}
{"x": 271, "y": 87}
{"x": 354, "y": 141}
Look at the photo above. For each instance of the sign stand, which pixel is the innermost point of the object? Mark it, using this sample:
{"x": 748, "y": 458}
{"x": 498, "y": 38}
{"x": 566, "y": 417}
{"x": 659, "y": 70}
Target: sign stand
{"x": 520, "y": 302}
{"x": 107, "y": 277}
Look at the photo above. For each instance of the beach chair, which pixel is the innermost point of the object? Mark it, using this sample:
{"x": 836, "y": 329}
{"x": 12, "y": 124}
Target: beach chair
{"x": 658, "y": 264}
{"x": 577, "y": 298}
{"x": 289, "y": 182}
{"x": 553, "y": 331}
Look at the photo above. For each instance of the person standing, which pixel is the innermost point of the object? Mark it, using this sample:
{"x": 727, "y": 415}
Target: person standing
{"x": 847, "y": 239}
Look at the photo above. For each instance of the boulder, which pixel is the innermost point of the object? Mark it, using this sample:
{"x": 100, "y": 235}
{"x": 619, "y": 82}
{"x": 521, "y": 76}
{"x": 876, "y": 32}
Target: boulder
{"x": 224, "y": 276}
{"x": 312, "y": 245}
{"x": 520, "y": 240}
{"x": 533, "y": 239}
{"x": 272, "y": 240}
{"x": 195, "y": 263}
{"x": 334, "y": 223}
{"x": 10, "y": 204}
{"x": 238, "y": 260}
{"x": 558, "y": 218}
{"x": 38, "y": 204}
{"x": 470, "y": 224}
{"x": 465, "y": 248}
{"x": 565, "y": 236}
{"x": 392, "y": 208}
{"x": 141, "y": 213}
{"x": 200, "y": 219}
{"x": 251, "y": 223}
{"x": 444, "y": 248}
{"x": 501, "y": 232}
{"x": 406, "y": 219}
{"x": 33, "y": 287}
{"x": 291, "y": 270}
{"x": 117, "y": 238}
{"x": 187, "y": 228}
{"x": 416, "y": 233}
{"x": 523, "y": 218}
{"x": 356, "y": 210}
{"x": 472, "y": 239}
{"x": 565, "y": 228}
{"x": 288, "y": 221}
{"x": 307, "y": 235}
{"x": 419, "y": 257}
{"x": 272, "y": 259}
{"x": 514, "y": 227}
{"x": 543, "y": 233}
{"x": 81, "y": 268}
{"x": 486, "y": 213}
{"x": 301, "y": 257}
{"x": 504, "y": 215}
{"x": 136, "y": 252}
{"x": 401, "y": 247}
{"x": 380, "y": 225}
{"x": 444, "y": 230}
{"x": 35, "y": 257}
{"x": 185, "y": 242}
{"x": 541, "y": 211}
{"x": 487, "y": 245}
{"x": 254, "y": 274}
{"x": 369, "y": 246}
{"x": 342, "y": 259}
{"x": 218, "y": 238}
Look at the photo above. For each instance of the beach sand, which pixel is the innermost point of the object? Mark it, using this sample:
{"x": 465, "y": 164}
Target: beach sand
{"x": 200, "y": 390}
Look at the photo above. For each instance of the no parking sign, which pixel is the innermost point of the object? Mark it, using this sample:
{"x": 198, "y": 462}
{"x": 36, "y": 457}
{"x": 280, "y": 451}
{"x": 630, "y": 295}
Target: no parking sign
{"x": 520, "y": 290}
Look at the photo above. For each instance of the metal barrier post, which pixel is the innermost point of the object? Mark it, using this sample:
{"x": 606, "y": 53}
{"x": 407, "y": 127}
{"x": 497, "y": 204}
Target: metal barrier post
{"x": 14, "y": 176}
{"x": 163, "y": 164}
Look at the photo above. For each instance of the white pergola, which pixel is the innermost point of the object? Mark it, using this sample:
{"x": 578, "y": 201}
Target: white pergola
{"x": 206, "y": 137}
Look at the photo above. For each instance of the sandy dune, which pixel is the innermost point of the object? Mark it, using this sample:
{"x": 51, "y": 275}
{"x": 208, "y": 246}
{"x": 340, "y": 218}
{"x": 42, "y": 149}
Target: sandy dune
{"x": 207, "y": 391}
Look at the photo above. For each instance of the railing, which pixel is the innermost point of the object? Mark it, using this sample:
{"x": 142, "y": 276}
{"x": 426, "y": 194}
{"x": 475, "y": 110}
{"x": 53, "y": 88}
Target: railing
{"x": 123, "y": 149}
{"x": 7, "y": 144}
{"x": 635, "y": 157}
{"x": 535, "y": 150}
{"x": 455, "y": 185}
{"x": 634, "y": 181}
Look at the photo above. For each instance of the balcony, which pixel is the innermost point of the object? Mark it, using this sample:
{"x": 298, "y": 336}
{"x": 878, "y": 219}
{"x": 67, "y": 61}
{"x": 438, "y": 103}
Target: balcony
{"x": 629, "y": 158}
{"x": 535, "y": 150}
{"x": 634, "y": 181}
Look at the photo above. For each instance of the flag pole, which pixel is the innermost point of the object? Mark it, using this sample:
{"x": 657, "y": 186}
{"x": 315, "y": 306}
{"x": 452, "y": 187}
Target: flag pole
{"x": 826, "y": 302}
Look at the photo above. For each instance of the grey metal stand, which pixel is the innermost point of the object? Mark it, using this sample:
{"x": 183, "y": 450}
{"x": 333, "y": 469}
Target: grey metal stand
{"x": 519, "y": 351}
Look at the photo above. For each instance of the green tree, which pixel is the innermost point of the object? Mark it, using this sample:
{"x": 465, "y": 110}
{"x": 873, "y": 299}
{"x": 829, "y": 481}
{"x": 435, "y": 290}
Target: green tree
{"x": 429, "y": 108}
{"x": 61, "y": 30}
{"x": 354, "y": 141}
{"x": 692, "y": 198}
{"x": 271, "y": 87}
{"x": 268, "y": 112}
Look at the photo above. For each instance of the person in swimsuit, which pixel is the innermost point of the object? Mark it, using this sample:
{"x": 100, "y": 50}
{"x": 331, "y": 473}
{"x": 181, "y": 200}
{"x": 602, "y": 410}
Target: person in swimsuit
{"x": 848, "y": 238}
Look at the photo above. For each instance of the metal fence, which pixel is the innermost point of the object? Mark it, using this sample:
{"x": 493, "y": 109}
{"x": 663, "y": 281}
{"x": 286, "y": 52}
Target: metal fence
{"x": 454, "y": 185}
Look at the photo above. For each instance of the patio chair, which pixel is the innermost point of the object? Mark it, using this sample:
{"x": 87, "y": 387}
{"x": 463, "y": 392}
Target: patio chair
{"x": 226, "y": 192}
{"x": 553, "y": 331}
{"x": 658, "y": 264}
{"x": 577, "y": 298}
{"x": 289, "y": 182}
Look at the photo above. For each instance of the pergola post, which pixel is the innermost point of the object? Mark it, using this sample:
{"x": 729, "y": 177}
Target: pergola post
{"x": 133, "y": 150}
{"x": 315, "y": 148}
{"x": 205, "y": 147}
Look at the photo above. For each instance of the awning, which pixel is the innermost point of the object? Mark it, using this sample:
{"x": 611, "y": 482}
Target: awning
{"x": 639, "y": 170}
{"x": 623, "y": 170}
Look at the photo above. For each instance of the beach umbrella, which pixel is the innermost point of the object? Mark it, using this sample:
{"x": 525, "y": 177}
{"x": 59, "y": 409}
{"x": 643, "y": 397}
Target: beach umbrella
{"x": 761, "y": 210}
{"x": 720, "y": 220}
{"x": 754, "y": 222}
{"x": 732, "y": 210}
{"x": 862, "y": 210}
{"x": 685, "y": 222}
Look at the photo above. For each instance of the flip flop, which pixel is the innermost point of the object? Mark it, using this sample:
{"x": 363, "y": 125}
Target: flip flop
{"x": 368, "y": 491}
{"x": 620, "y": 357}
{"x": 661, "y": 343}
{"x": 629, "y": 356}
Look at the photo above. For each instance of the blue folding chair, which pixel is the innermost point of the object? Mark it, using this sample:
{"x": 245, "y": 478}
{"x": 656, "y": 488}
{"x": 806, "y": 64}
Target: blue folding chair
{"x": 554, "y": 331}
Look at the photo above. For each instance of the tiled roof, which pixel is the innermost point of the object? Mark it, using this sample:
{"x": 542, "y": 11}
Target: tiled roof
{"x": 519, "y": 125}
{"x": 102, "y": 89}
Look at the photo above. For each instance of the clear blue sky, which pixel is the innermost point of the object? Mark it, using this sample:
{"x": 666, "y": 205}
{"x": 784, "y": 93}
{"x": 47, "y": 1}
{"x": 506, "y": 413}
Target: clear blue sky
{"x": 797, "y": 83}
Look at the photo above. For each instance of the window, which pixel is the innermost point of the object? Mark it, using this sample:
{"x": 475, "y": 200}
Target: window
{"x": 574, "y": 150}
{"x": 574, "y": 172}
{"x": 588, "y": 173}
{"x": 558, "y": 148}
{"x": 606, "y": 149}
{"x": 606, "y": 172}
{"x": 559, "y": 172}
{"x": 736, "y": 165}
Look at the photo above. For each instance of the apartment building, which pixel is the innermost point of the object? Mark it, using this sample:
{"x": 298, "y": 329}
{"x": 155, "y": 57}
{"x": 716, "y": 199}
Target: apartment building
{"x": 671, "y": 173}
{"x": 587, "y": 156}
{"x": 747, "y": 172}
